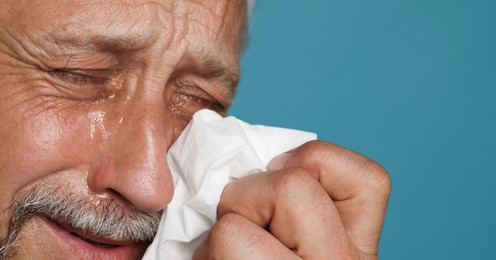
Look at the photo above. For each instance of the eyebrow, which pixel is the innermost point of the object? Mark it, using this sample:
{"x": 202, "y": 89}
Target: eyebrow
{"x": 213, "y": 68}
{"x": 216, "y": 70}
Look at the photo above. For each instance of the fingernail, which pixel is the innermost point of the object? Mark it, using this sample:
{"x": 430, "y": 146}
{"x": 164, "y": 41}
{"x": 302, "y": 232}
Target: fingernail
{"x": 279, "y": 162}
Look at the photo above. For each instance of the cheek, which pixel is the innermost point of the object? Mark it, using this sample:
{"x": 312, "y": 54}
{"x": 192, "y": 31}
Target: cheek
{"x": 52, "y": 140}
{"x": 36, "y": 146}
{"x": 48, "y": 142}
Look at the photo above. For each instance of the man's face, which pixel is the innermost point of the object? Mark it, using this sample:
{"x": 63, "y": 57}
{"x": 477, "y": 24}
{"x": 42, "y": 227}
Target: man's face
{"x": 92, "y": 95}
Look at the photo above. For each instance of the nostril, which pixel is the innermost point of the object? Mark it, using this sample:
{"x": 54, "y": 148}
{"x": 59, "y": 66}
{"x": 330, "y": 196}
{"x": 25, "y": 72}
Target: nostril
{"x": 108, "y": 197}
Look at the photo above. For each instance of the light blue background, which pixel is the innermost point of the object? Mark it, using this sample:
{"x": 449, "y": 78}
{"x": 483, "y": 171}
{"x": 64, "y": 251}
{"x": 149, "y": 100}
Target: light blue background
{"x": 411, "y": 84}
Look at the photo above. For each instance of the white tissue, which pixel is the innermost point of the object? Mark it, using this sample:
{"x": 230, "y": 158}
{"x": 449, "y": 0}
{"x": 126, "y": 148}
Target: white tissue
{"x": 211, "y": 152}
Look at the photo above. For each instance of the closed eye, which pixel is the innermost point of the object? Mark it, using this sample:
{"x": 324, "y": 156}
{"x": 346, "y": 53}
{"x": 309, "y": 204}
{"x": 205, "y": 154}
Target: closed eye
{"x": 196, "y": 94}
{"x": 79, "y": 77}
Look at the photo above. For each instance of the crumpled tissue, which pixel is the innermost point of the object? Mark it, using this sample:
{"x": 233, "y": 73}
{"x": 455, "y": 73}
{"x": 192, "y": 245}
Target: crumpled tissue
{"x": 211, "y": 152}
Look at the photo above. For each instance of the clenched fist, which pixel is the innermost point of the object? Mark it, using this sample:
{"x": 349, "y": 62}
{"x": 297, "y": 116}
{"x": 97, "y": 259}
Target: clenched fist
{"x": 319, "y": 201}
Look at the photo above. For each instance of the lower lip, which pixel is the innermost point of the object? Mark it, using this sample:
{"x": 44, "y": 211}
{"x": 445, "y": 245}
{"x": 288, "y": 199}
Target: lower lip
{"x": 85, "y": 250}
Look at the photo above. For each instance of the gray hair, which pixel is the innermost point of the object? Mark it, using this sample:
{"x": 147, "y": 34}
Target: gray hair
{"x": 250, "y": 4}
{"x": 106, "y": 218}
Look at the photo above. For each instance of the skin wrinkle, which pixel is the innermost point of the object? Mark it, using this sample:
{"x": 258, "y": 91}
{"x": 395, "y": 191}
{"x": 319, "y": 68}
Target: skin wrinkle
{"x": 118, "y": 18}
{"x": 11, "y": 50}
{"x": 102, "y": 41}
{"x": 28, "y": 51}
{"x": 213, "y": 71}
{"x": 201, "y": 19}
{"x": 233, "y": 84}
{"x": 221, "y": 13}
{"x": 136, "y": 106}
{"x": 224, "y": 13}
{"x": 38, "y": 103}
{"x": 22, "y": 102}
{"x": 240, "y": 9}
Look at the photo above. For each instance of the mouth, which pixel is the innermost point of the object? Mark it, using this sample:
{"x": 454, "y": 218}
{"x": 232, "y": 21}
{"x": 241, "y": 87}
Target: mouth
{"x": 88, "y": 246}
{"x": 101, "y": 242}
{"x": 93, "y": 242}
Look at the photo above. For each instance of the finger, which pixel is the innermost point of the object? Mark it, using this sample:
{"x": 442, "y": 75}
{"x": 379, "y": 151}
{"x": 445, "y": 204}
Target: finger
{"x": 358, "y": 186}
{"x": 235, "y": 237}
{"x": 295, "y": 209}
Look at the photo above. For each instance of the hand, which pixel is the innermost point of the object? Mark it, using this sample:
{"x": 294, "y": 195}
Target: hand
{"x": 320, "y": 201}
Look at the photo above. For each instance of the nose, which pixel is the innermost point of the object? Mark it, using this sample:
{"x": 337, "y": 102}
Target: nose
{"x": 133, "y": 165}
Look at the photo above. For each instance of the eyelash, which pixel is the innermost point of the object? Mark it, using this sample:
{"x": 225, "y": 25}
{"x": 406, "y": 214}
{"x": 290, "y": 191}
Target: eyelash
{"x": 186, "y": 90}
{"x": 198, "y": 95}
{"x": 79, "y": 78}
{"x": 207, "y": 102}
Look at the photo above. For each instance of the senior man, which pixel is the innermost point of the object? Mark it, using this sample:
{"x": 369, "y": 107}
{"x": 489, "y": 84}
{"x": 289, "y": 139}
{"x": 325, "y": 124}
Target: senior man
{"x": 92, "y": 95}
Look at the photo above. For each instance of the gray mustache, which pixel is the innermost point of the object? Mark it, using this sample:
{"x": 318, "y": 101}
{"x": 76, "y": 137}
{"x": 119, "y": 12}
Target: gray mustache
{"x": 87, "y": 213}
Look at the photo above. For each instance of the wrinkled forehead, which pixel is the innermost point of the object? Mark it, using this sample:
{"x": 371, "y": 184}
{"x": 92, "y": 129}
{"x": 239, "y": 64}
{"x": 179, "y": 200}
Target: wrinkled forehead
{"x": 138, "y": 22}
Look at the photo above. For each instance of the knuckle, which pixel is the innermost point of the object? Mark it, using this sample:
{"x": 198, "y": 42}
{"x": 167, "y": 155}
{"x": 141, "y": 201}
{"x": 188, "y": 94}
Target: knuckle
{"x": 312, "y": 155}
{"x": 316, "y": 144}
{"x": 378, "y": 179}
{"x": 225, "y": 231}
{"x": 313, "y": 152}
{"x": 295, "y": 184}
{"x": 317, "y": 155}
